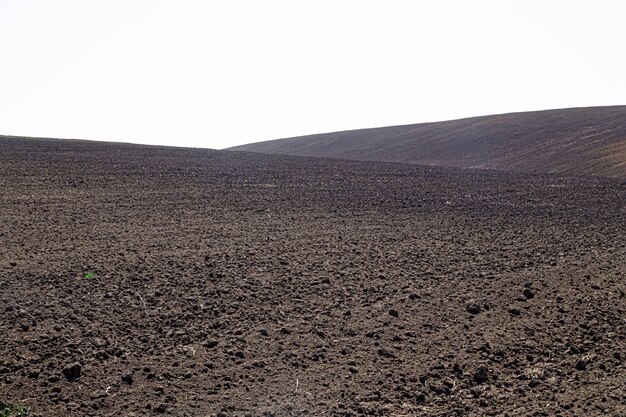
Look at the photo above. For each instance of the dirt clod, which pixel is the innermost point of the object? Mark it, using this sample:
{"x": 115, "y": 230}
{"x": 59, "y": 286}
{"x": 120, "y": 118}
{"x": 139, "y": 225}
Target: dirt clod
{"x": 581, "y": 364}
{"x": 72, "y": 372}
{"x": 515, "y": 311}
{"x": 127, "y": 377}
{"x": 473, "y": 308}
{"x": 481, "y": 375}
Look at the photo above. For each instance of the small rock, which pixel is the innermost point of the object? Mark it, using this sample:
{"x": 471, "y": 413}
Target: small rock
{"x": 161, "y": 409}
{"x": 24, "y": 327}
{"x": 481, "y": 375}
{"x": 284, "y": 330}
{"x": 393, "y": 313}
{"x": 473, "y": 308}
{"x": 528, "y": 293}
{"x": 54, "y": 378}
{"x": 581, "y": 364}
{"x": 211, "y": 344}
{"x": 72, "y": 372}
{"x": 353, "y": 370}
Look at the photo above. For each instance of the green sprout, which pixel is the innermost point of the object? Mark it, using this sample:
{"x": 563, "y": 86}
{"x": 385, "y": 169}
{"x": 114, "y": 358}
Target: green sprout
{"x": 89, "y": 275}
{"x": 10, "y": 410}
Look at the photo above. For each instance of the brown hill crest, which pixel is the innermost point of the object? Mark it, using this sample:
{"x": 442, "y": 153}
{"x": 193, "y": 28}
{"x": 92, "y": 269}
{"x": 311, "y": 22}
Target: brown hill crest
{"x": 578, "y": 141}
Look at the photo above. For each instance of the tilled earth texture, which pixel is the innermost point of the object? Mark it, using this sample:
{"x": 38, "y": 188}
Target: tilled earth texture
{"x": 140, "y": 281}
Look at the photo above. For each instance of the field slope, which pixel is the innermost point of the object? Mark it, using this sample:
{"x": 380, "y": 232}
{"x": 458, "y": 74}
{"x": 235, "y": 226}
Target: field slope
{"x": 579, "y": 141}
{"x": 142, "y": 281}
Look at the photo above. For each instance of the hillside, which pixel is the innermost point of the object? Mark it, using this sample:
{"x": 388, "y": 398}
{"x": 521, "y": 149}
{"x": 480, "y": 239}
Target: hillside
{"x": 579, "y": 141}
{"x": 143, "y": 281}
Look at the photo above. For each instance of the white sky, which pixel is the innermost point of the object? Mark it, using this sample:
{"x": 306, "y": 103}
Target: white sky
{"x": 221, "y": 73}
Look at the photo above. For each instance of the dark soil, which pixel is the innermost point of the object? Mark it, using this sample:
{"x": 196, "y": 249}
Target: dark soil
{"x": 239, "y": 284}
{"x": 579, "y": 141}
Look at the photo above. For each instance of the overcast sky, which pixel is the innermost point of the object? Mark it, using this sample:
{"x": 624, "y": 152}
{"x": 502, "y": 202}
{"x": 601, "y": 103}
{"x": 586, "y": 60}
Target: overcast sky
{"x": 221, "y": 73}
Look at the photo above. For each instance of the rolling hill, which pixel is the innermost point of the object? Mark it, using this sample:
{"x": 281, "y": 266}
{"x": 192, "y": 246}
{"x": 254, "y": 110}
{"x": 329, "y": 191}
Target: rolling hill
{"x": 578, "y": 141}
